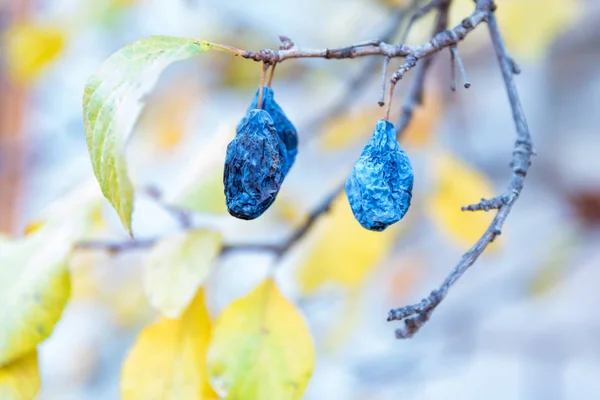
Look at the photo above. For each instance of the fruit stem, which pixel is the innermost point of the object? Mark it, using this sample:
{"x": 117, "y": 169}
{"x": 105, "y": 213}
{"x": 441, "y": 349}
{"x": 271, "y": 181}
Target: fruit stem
{"x": 389, "y": 104}
{"x": 271, "y": 75}
{"x": 262, "y": 85}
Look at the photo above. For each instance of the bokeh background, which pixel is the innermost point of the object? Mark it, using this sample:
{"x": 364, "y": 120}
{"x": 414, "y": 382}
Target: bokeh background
{"x": 522, "y": 324}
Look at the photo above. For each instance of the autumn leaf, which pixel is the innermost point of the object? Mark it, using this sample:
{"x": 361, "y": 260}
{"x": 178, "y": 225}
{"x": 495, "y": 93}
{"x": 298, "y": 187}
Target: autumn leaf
{"x": 28, "y": 49}
{"x": 168, "y": 359}
{"x": 531, "y": 40}
{"x": 20, "y": 380}
{"x": 261, "y": 348}
{"x": 345, "y": 252}
{"x": 112, "y": 101}
{"x": 177, "y": 266}
{"x": 457, "y": 184}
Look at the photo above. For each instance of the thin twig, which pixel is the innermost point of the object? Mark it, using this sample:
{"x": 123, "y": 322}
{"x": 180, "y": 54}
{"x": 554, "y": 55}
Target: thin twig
{"x": 452, "y": 71}
{"x": 461, "y": 66}
{"x": 487, "y": 205}
{"x": 415, "y": 316}
{"x": 421, "y": 12}
{"x": 183, "y": 217}
{"x": 116, "y": 246}
{"x": 384, "y": 67}
{"x": 443, "y": 39}
{"x": 415, "y": 94}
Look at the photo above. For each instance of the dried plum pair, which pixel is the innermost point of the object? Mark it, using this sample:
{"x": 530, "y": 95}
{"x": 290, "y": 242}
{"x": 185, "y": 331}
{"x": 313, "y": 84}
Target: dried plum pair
{"x": 258, "y": 158}
{"x": 379, "y": 188}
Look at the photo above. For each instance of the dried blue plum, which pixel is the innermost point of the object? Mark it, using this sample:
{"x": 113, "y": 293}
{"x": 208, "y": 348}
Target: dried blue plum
{"x": 253, "y": 166}
{"x": 379, "y": 187}
{"x": 285, "y": 129}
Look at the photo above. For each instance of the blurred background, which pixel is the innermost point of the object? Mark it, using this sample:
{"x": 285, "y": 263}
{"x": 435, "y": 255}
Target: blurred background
{"x": 522, "y": 324}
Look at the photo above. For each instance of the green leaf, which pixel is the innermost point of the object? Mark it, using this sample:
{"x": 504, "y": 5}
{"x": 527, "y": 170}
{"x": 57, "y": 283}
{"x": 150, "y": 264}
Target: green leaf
{"x": 20, "y": 380}
{"x": 261, "y": 348}
{"x": 112, "y": 103}
{"x": 177, "y": 266}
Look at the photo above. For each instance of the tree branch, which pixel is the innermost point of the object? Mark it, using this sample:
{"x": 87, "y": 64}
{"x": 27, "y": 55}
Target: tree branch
{"x": 415, "y": 316}
{"x": 376, "y": 47}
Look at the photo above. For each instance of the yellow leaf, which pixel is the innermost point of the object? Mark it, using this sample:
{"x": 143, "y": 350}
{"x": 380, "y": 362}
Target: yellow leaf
{"x": 345, "y": 252}
{"x": 29, "y": 48}
{"x": 34, "y": 280}
{"x": 33, "y": 226}
{"x": 177, "y": 266}
{"x": 457, "y": 184}
{"x": 261, "y": 348}
{"x": 20, "y": 380}
{"x": 168, "y": 359}
{"x": 35, "y": 288}
{"x": 529, "y": 40}
{"x": 524, "y": 39}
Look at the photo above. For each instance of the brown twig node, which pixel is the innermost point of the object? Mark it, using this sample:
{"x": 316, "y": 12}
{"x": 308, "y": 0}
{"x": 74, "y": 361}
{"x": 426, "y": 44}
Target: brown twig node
{"x": 286, "y": 43}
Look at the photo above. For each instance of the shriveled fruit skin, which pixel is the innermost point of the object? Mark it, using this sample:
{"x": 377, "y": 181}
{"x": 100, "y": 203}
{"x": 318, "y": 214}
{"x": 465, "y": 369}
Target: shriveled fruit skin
{"x": 379, "y": 188}
{"x": 285, "y": 129}
{"x": 253, "y": 166}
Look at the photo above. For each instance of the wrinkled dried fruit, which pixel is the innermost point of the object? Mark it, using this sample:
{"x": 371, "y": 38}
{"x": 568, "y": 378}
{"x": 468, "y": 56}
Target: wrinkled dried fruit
{"x": 379, "y": 187}
{"x": 253, "y": 166}
{"x": 285, "y": 129}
